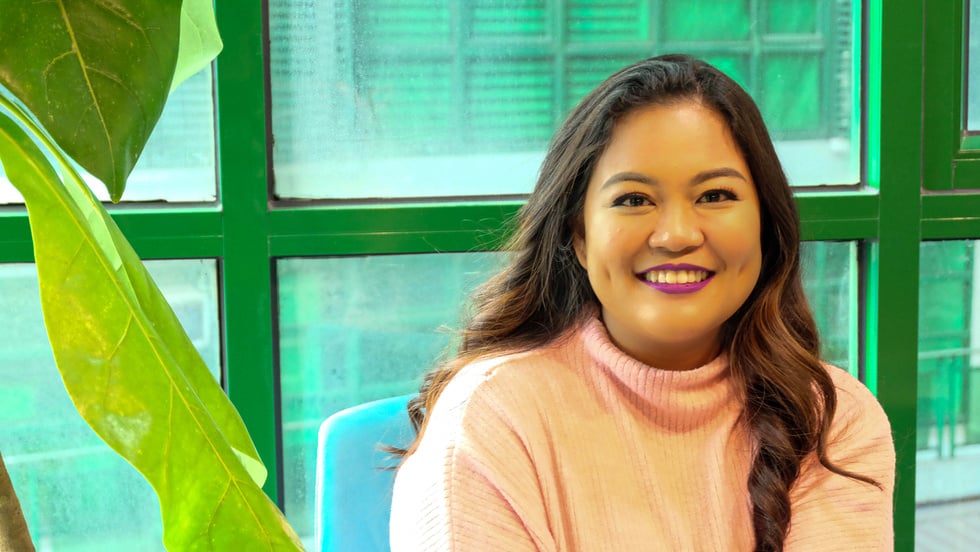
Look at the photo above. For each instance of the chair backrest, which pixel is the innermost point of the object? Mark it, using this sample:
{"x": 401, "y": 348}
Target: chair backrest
{"x": 353, "y": 486}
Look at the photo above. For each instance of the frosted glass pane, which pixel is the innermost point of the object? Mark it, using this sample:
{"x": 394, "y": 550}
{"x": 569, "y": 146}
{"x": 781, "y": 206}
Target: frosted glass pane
{"x": 178, "y": 163}
{"x": 386, "y": 99}
{"x": 355, "y": 329}
{"x": 830, "y": 284}
{"x": 77, "y": 494}
{"x": 706, "y": 20}
{"x": 792, "y": 16}
{"x": 947, "y": 482}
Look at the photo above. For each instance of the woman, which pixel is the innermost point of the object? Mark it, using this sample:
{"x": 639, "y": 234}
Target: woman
{"x": 645, "y": 372}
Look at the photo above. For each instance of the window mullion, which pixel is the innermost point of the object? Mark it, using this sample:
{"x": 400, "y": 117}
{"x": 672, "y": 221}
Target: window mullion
{"x": 246, "y": 274}
{"x": 899, "y": 233}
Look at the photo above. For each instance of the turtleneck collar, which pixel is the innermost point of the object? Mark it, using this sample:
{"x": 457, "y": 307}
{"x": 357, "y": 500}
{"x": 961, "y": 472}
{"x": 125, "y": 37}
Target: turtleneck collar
{"x": 680, "y": 398}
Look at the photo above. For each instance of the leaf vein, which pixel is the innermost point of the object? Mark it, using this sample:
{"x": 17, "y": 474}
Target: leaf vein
{"x": 122, "y": 15}
{"x": 88, "y": 82}
{"x": 71, "y": 262}
{"x": 122, "y": 84}
{"x": 109, "y": 369}
{"x": 54, "y": 61}
{"x": 168, "y": 443}
{"x": 127, "y": 18}
{"x": 122, "y": 338}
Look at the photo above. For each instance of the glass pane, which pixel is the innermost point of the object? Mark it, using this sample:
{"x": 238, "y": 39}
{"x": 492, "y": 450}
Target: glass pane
{"x": 947, "y": 481}
{"x": 77, "y": 494}
{"x": 830, "y": 283}
{"x": 706, "y": 20}
{"x": 386, "y": 99}
{"x": 178, "y": 162}
{"x": 355, "y": 329}
{"x": 973, "y": 68}
{"x": 792, "y": 17}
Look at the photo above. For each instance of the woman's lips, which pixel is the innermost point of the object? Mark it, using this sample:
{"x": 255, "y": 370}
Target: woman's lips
{"x": 677, "y": 278}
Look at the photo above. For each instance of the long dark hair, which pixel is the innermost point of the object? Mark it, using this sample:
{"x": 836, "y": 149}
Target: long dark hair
{"x": 772, "y": 341}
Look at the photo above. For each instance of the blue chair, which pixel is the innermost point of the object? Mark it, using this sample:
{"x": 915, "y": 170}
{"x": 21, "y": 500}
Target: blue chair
{"x": 354, "y": 477}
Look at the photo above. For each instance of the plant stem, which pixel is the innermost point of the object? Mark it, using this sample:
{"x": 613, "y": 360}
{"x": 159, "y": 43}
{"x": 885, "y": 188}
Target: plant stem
{"x": 14, "y": 536}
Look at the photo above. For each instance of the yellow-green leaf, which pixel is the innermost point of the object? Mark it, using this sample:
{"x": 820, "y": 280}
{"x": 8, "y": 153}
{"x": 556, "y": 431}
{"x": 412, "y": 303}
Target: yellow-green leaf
{"x": 199, "y": 39}
{"x": 131, "y": 370}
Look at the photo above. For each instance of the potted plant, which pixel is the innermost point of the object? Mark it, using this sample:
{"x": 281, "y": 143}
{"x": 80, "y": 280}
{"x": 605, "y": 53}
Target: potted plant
{"x": 83, "y": 84}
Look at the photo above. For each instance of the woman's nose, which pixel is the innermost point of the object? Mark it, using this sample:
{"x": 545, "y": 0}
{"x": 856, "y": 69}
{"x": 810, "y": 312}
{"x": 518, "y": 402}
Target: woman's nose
{"x": 677, "y": 228}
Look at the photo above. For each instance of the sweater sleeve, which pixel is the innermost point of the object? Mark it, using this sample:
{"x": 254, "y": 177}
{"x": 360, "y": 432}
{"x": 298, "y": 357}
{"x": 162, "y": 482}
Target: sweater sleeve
{"x": 834, "y": 512}
{"x": 471, "y": 484}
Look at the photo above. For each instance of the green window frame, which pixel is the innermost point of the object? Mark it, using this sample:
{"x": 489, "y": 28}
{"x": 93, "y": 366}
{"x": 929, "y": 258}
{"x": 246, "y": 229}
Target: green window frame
{"x": 951, "y": 154}
{"x": 889, "y": 216}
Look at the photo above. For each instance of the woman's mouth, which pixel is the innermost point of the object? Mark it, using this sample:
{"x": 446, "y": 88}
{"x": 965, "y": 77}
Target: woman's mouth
{"x": 680, "y": 279}
{"x": 676, "y": 276}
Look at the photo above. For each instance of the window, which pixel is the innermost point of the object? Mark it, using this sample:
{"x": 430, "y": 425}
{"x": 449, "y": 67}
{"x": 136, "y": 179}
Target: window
{"x": 355, "y": 329}
{"x": 460, "y": 97}
{"x": 952, "y": 147}
{"x": 948, "y": 432}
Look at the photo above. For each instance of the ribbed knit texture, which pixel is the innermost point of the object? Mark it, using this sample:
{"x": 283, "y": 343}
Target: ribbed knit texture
{"x": 579, "y": 447}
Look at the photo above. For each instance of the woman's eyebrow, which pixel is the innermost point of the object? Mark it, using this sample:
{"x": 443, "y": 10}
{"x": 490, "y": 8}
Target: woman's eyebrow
{"x": 630, "y": 177}
{"x": 721, "y": 172}
{"x": 699, "y": 178}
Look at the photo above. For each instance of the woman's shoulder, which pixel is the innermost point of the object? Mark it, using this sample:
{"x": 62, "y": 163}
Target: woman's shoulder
{"x": 851, "y": 392}
{"x": 487, "y": 400}
{"x": 858, "y": 410}
{"x": 509, "y": 373}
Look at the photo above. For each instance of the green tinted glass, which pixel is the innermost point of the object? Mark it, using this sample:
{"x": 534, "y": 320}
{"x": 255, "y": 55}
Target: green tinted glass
{"x": 792, "y": 17}
{"x": 705, "y": 20}
{"x": 355, "y": 329}
{"x": 948, "y": 436}
{"x": 830, "y": 282}
{"x": 378, "y": 99}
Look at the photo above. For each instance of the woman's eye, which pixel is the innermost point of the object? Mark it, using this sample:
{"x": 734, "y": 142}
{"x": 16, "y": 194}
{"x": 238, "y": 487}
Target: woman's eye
{"x": 716, "y": 196}
{"x": 631, "y": 200}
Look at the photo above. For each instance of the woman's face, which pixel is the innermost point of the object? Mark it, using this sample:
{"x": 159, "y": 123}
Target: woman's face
{"x": 670, "y": 233}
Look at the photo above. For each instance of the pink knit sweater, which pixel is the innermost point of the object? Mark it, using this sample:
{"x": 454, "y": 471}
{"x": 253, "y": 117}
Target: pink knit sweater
{"x": 579, "y": 447}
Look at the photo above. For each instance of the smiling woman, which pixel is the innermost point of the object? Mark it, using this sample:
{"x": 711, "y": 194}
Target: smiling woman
{"x": 645, "y": 371}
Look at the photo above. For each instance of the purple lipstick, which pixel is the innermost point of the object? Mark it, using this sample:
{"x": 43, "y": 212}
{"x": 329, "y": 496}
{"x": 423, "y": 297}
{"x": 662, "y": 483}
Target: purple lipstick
{"x": 677, "y": 278}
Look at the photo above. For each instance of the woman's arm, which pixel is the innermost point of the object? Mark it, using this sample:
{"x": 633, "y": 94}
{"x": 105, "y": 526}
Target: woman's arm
{"x": 833, "y": 512}
{"x": 471, "y": 485}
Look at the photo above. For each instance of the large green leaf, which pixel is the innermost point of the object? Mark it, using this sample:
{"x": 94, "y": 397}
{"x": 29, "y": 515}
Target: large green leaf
{"x": 129, "y": 367}
{"x": 95, "y": 73}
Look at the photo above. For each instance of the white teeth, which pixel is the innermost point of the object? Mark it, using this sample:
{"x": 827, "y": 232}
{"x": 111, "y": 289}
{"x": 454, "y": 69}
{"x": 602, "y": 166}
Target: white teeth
{"x": 676, "y": 276}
